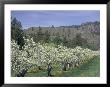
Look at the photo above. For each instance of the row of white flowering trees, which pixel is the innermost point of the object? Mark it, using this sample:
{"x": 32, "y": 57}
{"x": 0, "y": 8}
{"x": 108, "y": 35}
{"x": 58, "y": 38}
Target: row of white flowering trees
{"x": 42, "y": 54}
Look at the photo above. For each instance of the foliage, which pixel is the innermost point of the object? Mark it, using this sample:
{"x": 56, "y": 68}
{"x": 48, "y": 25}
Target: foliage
{"x": 17, "y": 32}
{"x": 89, "y": 69}
{"x": 41, "y": 54}
{"x": 86, "y": 35}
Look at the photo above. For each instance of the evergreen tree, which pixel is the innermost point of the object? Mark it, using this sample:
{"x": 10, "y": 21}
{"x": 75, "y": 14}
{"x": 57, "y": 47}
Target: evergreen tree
{"x": 17, "y": 32}
{"x": 39, "y": 34}
{"x": 78, "y": 40}
{"x": 46, "y": 36}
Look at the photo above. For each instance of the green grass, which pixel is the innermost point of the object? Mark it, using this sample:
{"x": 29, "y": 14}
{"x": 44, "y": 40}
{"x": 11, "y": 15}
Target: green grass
{"x": 89, "y": 69}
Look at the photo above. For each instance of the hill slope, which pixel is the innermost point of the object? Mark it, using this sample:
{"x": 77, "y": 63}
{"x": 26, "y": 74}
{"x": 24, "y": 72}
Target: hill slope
{"x": 90, "y": 31}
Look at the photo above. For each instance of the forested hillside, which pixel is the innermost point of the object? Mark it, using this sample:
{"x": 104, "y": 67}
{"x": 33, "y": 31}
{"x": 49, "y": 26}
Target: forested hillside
{"x": 86, "y": 35}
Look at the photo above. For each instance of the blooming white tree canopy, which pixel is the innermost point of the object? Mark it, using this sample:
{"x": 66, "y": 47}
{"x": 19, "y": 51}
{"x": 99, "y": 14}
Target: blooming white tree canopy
{"x": 41, "y": 54}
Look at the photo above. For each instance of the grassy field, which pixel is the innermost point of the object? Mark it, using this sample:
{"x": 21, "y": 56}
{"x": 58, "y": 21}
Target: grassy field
{"x": 89, "y": 69}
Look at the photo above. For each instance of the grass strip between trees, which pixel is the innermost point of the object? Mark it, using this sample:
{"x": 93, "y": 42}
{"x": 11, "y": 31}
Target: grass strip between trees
{"x": 89, "y": 69}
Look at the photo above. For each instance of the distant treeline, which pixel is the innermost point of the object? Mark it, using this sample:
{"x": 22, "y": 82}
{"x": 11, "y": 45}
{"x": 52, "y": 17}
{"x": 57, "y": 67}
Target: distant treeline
{"x": 86, "y": 35}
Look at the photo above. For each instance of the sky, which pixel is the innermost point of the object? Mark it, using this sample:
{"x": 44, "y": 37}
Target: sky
{"x": 47, "y": 18}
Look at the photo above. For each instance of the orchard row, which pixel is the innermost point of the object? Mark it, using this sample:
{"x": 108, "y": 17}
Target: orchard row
{"x": 42, "y": 54}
